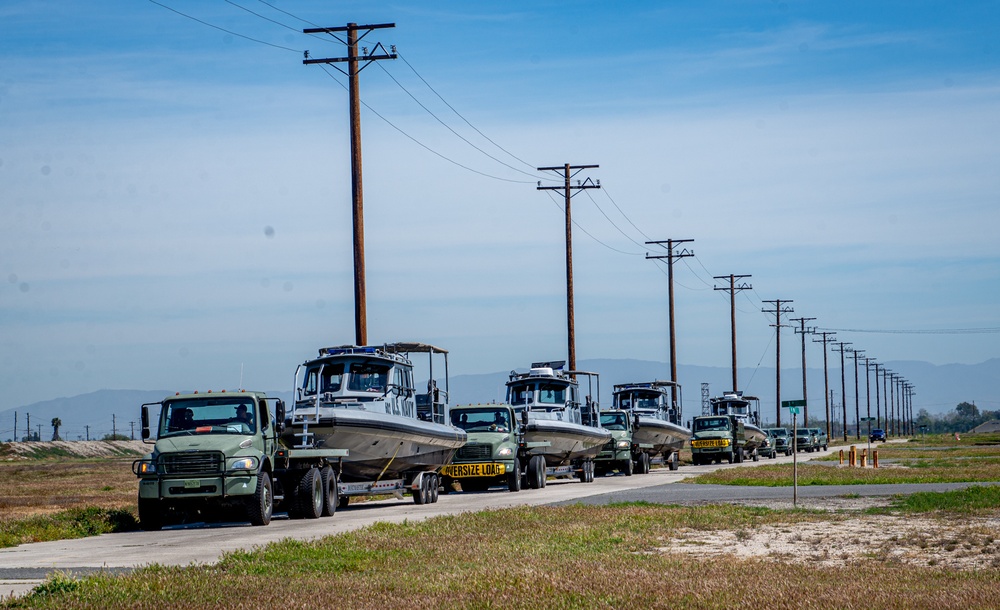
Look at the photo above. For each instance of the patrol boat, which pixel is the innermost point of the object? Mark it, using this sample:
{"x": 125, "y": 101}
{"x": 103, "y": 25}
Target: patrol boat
{"x": 363, "y": 399}
{"x": 738, "y": 405}
{"x": 559, "y": 427}
{"x": 659, "y": 421}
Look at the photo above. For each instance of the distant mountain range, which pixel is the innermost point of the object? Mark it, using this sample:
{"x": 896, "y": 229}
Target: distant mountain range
{"x": 939, "y": 388}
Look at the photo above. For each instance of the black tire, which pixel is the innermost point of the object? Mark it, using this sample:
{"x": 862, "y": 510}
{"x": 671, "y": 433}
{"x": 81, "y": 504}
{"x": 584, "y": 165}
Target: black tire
{"x": 150, "y": 514}
{"x": 309, "y": 495}
{"x": 731, "y": 457}
{"x": 420, "y": 495}
{"x": 536, "y": 472}
{"x": 260, "y": 506}
{"x": 674, "y": 461}
{"x": 627, "y": 467}
{"x": 756, "y": 457}
{"x": 435, "y": 486}
{"x": 644, "y": 463}
{"x": 329, "y": 478}
{"x": 514, "y": 477}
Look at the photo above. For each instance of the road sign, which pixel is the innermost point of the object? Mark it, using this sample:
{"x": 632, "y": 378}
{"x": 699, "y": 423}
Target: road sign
{"x": 793, "y": 403}
{"x": 867, "y": 419}
{"x": 794, "y": 410}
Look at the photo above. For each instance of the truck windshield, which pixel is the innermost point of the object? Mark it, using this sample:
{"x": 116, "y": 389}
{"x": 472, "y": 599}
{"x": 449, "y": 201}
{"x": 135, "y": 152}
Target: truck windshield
{"x": 778, "y": 432}
{"x": 711, "y": 423}
{"x": 223, "y": 415}
{"x": 481, "y": 420}
{"x": 614, "y": 421}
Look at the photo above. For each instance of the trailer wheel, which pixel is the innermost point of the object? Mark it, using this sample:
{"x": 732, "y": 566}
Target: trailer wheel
{"x": 674, "y": 461}
{"x": 422, "y": 495}
{"x": 329, "y": 481}
{"x": 591, "y": 467}
{"x": 260, "y": 506}
{"x": 309, "y": 495}
{"x": 514, "y": 477}
{"x": 150, "y": 515}
{"x": 755, "y": 456}
{"x": 435, "y": 486}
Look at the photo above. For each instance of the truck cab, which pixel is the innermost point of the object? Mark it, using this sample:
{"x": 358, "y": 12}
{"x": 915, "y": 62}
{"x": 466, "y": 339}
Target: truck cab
{"x": 716, "y": 438}
{"x": 620, "y": 452}
{"x": 490, "y": 457}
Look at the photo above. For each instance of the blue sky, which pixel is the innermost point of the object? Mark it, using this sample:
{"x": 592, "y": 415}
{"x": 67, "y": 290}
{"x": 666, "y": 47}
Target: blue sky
{"x": 175, "y": 198}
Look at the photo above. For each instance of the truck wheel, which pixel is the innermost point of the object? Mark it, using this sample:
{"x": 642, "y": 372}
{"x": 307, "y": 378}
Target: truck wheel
{"x": 329, "y": 480}
{"x": 514, "y": 477}
{"x": 536, "y": 472}
{"x": 150, "y": 516}
{"x": 755, "y": 456}
{"x": 644, "y": 463}
{"x": 309, "y": 495}
{"x": 260, "y": 506}
{"x": 435, "y": 485}
{"x": 627, "y": 467}
{"x": 420, "y": 495}
{"x": 731, "y": 457}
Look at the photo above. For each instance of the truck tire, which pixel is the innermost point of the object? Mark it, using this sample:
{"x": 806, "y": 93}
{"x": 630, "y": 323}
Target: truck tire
{"x": 514, "y": 477}
{"x": 260, "y": 506}
{"x": 756, "y": 457}
{"x": 435, "y": 486}
{"x": 420, "y": 495}
{"x": 150, "y": 515}
{"x": 644, "y": 463}
{"x": 674, "y": 461}
{"x": 309, "y": 495}
{"x": 329, "y": 478}
{"x": 627, "y": 468}
{"x": 731, "y": 456}
{"x": 536, "y": 472}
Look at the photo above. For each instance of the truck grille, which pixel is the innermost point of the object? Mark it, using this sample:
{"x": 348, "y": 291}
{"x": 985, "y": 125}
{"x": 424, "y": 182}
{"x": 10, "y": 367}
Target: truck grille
{"x": 205, "y": 462}
{"x": 475, "y": 451}
{"x": 610, "y": 445}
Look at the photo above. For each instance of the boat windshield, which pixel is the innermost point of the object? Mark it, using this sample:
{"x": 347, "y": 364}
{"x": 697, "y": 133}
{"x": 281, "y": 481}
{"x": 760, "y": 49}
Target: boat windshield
{"x": 481, "y": 420}
{"x": 228, "y": 415}
{"x": 552, "y": 394}
{"x": 367, "y": 377}
{"x": 711, "y": 423}
{"x": 521, "y": 394}
{"x": 328, "y": 378}
{"x": 614, "y": 421}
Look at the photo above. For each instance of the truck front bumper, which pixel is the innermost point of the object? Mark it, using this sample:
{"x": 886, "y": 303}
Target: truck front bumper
{"x": 243, "y": 484}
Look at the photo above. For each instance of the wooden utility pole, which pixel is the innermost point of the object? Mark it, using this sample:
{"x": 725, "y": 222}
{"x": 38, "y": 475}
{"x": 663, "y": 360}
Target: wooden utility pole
{"x": 568, "y": 173}
{"x": 827, "y": 338}
{"x": 843, "y": 385}
{"x": 733, "y": 289}
{"x": 878, "y": 400}
{"x": 355, "y": 64}
{"x": 857, "y": 394}
{"x": 777, "y": 311}
{"x": 885, "y": 400}
{"x": 805, "y": 395}
{"x": 670, "y": 256}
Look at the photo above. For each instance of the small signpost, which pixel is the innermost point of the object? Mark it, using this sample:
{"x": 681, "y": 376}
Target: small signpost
{"x": 793, "y": 407}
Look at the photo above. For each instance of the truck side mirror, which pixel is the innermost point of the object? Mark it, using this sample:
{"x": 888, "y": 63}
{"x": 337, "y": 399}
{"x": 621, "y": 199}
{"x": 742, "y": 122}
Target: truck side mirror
{"x": 145, "y": 422}
{"x": 279, "y": 416}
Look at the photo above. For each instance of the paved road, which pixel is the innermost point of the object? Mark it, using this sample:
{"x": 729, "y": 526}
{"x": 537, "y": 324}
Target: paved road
{"x": 23, "y": 567}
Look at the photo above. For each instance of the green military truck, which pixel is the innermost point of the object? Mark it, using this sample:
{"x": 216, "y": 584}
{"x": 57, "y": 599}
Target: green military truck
{"x": 716, "y": 438}
{"x": 622, "y": 452}
{"x": 492, "y": 454}
{"x": 216, "y": 456}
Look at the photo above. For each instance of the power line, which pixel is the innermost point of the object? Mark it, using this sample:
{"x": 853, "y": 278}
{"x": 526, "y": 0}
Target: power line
{"x": 205, "y": 23}
{"x": 942, "y": 331}
{"x": 589, "y": 234}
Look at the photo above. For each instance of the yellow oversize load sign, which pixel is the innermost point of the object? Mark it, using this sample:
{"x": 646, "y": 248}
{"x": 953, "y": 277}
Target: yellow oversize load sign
{"x": 473, "y": 470}
{"x": 724, "y": 442}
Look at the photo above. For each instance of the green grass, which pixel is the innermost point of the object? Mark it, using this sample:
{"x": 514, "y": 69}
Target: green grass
{"x": 547, "y": 557}
{"x": 72, "y": 523}
{"x": 974, "y": 500}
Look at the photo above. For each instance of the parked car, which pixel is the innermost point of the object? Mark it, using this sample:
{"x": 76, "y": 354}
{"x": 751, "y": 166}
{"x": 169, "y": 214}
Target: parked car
{"x": 878, "y": 434}
{"x": 822, "y": 440}
{"x": 780, "y": 440}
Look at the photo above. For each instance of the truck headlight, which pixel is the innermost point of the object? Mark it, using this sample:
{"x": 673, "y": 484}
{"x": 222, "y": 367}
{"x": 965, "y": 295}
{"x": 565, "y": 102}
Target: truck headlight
{"x": 247, "y": 463}
{"x": 505, "y": 452}
{"x": 145, "y": 468}
{"x": 624, "y": 444}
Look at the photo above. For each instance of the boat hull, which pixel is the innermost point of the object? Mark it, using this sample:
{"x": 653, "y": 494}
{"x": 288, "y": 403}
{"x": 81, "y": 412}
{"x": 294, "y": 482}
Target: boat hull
{"x": 664, "y": 436}
{"x": 561, "y": 442}
{"x": 754, "y": 436}
{"x": 381, "y": 446}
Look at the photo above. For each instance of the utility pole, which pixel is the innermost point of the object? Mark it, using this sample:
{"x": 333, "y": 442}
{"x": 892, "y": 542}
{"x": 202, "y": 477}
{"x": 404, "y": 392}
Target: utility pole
{"x": 885, "y": 396}
{"x": 827, "y": 338}
{"x": 132, "y": 433}
{"x": 27, "y": 428}
{"x": 670, "y": 256}
{"x": 733, "y": 289}
{"x": 805, "y": 396}
{"x": 87, "y": 427}
{"x": 114, "y": 426}
{"x": 355, "y": 64}
{"x": 843, "y": 386}
{"x": 857, "y": 399}
{"x": 868, "y": 388}
{"x": 568, "y": 188}
{"x": 878, "y": 404}
{"x": 777, "y": 311}
{"x": 15, "y": 426}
